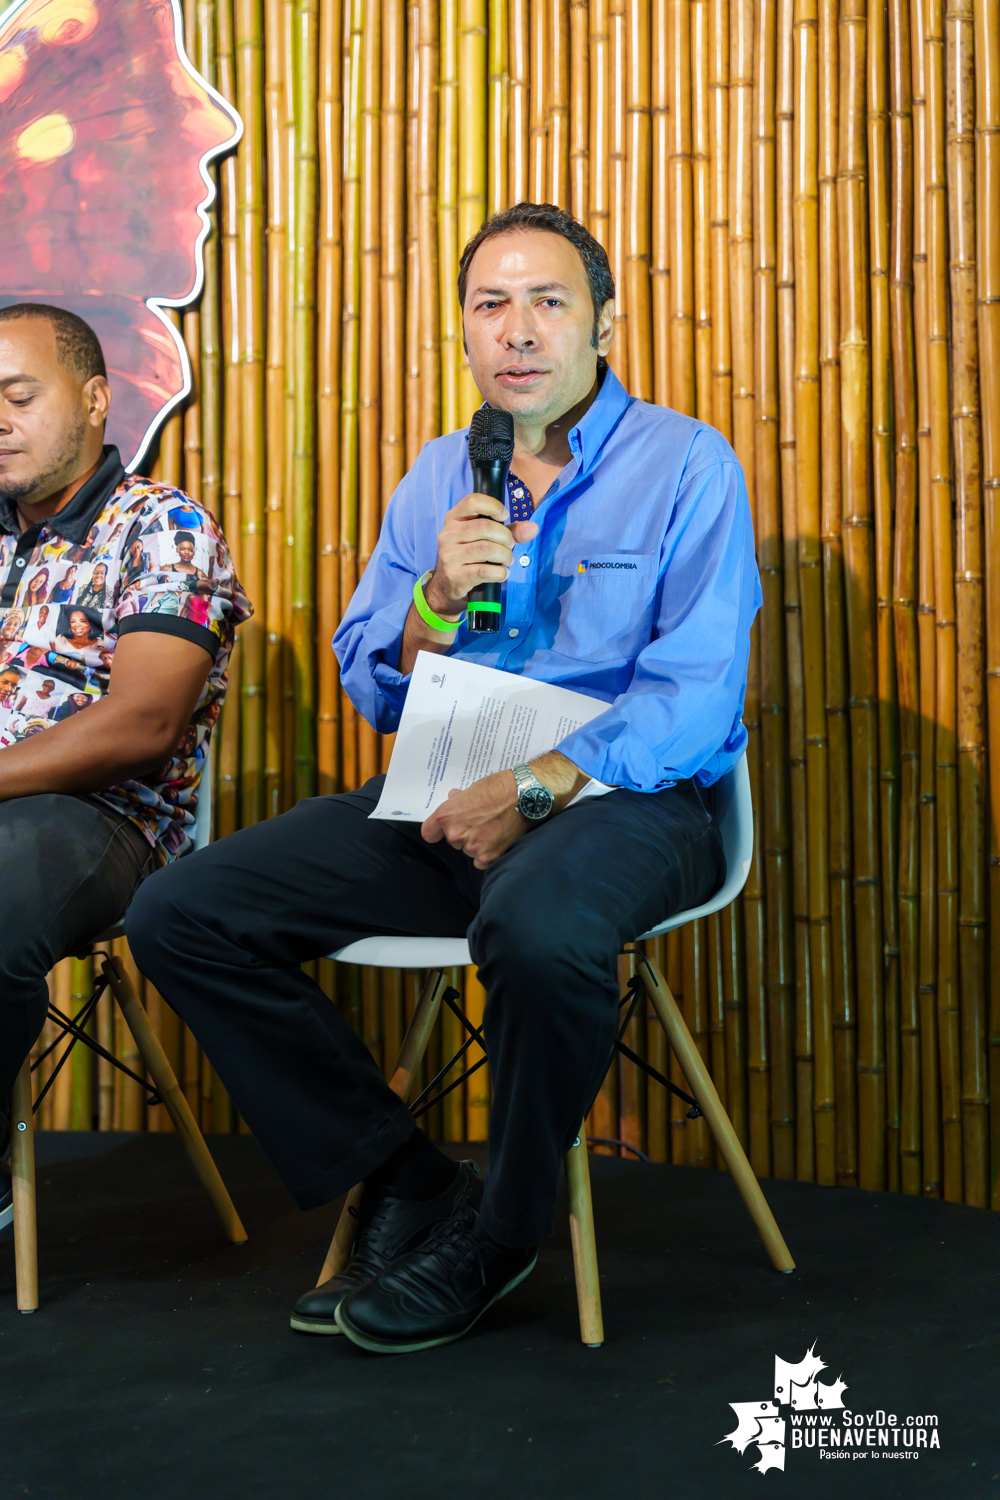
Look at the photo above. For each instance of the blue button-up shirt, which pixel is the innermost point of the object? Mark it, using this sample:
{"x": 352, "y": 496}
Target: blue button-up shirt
{"x": 640, "y": 588}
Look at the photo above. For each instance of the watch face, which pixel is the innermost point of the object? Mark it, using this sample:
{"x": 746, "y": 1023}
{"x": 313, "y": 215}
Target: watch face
{"x": 535, "y": 802}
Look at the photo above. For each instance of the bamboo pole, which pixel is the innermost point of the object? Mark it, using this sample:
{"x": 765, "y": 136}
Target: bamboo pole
{"x": 599, "y": 200}
{"x": 776, "y": 830}
{"x": 412, "y": 258}
{"x": 228, "y": 800}
{"x": 660, "y": 291}
{"x": 557, "y": 114}
{"x": 805, "y": 230}
{"x": 538, "y": 127}
{"x": 393, "y": 240}
{"x": 329, "y": 284}
{"x": 701, "y": 193}
{"x": 579, "y": 117}
{"x": 617, "y": 246}
{"x": 304, "y": 363}
{"x": 249, "y": 41}
{"x": 637, "y": 263}
{"x": 987, "y": 65}
{"x": 927, "y": 639}
{"x": 882, "y": 501}
{"x": 946, "y": 721}
{"x": 498, "y": 105}
{"x": 472, "y": 167}
{"x": 718, "y": 133}
{"x": 858, "y": 590}
{"x": 370, "y": 498}
{"x": 350, "y": 354}
{"x": 682, "y": 372}
{"x": 904, "y": 382}
{"x": 429, "y": 414}
{"x": 794, "y": 655}
{"x": 971, "y": 716}
{"x": 519, "y": 124}
{"x": 208, "y": 310}
{"x": 835, "y": 664}
{"x": 741, "y": 40}
{"x": 276, "y": 663}
{"x": 447, "y": 216}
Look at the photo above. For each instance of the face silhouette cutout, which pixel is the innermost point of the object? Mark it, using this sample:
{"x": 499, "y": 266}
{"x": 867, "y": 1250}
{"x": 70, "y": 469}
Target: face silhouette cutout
{"x": 106, "y": 128}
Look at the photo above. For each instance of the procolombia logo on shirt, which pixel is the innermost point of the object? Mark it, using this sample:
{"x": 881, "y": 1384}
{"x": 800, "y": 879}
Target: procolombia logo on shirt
{"x": 585, "y": 566}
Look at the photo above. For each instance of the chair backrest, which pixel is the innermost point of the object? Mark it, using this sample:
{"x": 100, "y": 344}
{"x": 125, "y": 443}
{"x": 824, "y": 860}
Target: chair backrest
{"x": 734, "y": 814}
{"x": 201, "y": 833}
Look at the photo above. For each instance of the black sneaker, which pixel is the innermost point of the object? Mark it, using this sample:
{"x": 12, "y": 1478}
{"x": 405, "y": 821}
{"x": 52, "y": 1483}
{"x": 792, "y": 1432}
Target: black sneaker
{"x": 387, "y": 1226}
{"x": 437, "y": 1291}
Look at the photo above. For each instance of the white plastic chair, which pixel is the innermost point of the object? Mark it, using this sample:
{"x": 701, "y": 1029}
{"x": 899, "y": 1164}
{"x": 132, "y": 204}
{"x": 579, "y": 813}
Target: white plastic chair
{"x": 167, "y": 1089}
{"x": 734, "y": 813}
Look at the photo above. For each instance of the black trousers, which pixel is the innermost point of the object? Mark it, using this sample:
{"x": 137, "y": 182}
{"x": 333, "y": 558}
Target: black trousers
{"x": 223, "y": 932}
{"x": 68, "y": 869}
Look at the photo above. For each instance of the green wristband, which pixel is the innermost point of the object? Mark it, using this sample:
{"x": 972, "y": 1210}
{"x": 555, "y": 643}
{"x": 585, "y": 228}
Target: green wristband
{"x": 424, "y": 610}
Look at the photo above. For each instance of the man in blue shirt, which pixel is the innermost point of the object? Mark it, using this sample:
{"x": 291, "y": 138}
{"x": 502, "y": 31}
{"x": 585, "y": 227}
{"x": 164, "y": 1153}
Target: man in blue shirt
{"x": 627, "y": 556}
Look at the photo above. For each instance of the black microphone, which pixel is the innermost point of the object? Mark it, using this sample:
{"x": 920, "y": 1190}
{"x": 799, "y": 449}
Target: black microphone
{"x": 491, "y": 447}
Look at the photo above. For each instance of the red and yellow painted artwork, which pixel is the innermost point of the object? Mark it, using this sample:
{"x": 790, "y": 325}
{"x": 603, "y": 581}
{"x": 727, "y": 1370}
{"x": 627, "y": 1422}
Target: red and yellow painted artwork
{"x": 106, "y": 132}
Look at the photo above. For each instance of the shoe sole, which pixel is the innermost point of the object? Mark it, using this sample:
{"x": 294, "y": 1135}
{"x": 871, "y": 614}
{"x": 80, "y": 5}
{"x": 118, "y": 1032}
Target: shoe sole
{"x": 376, "y": 1347}
{"x": 305, "y": 1325}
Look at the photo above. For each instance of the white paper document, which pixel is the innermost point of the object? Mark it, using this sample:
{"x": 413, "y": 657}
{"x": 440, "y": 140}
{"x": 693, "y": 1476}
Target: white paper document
{"x": 461, "y": 722}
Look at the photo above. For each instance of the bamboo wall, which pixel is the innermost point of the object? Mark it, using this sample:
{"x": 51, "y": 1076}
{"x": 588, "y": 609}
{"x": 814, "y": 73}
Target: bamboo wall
{"x": 801, "y": 204}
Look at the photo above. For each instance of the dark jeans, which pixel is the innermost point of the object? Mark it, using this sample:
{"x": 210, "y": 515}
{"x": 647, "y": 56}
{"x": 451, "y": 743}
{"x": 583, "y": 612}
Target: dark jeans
{"x": 68, "y": 869}
{"x": 222, "y": 934}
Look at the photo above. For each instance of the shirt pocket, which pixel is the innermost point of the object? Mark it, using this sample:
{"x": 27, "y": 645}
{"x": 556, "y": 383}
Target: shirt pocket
{"x": 606, "y": 608}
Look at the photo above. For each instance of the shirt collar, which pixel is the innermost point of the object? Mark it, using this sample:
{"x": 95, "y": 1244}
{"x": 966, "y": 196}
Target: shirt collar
{"x": 75, "y": 520}
{"x": 598, "y": 422}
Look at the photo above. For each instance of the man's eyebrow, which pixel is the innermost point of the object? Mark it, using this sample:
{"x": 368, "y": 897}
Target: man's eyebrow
{"x": 533, "y": 291}
{"x": 20, "y": 380}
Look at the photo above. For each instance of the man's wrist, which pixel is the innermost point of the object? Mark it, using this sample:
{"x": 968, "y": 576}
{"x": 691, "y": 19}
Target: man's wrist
{"x": 563, "y": 779}
{"x": 449, "y": 609}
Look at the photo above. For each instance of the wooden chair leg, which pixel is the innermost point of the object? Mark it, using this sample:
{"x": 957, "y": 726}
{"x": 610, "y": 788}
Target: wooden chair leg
{"x": 418, "y": 1034}
{"x": 725, "y": 1137}
{"x": 22, "y": 1166}
{"x": 166, "y": 1085}
{"x": 581, "y": 1230}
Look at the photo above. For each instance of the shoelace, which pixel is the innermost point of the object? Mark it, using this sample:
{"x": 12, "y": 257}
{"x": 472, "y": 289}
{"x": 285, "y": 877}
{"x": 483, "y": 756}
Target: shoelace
{"x": 460, "y": 1227}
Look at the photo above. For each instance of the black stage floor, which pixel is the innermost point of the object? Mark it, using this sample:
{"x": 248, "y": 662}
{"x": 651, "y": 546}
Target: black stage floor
{"x": 160, "y": 1365}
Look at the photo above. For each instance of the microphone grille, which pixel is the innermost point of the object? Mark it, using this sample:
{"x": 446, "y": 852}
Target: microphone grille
{"x": 491, "y": 436}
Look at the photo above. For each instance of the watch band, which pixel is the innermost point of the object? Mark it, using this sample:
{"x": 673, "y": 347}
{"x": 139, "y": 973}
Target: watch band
{"x": 525, "y": 778}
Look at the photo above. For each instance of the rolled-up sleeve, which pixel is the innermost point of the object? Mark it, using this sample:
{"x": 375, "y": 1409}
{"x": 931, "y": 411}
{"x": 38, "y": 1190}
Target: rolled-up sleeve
{"x": 682, "y": 711}
{"x": 368, "y": 639}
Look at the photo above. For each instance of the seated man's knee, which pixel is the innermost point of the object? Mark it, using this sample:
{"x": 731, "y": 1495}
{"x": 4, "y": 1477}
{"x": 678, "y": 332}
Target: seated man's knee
{"x": 529, "y": 938}
{"x": 160, "y": 913}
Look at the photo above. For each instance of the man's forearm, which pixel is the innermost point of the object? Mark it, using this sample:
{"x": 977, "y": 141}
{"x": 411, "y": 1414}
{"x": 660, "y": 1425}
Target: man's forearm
{"x": 563, "y": 779}
{"x": 419, "y": 636}
{"x": 101, "y": 746}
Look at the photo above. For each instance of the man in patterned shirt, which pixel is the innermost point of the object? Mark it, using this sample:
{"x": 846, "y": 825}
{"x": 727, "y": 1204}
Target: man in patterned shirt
{"x": 129, "y": 686}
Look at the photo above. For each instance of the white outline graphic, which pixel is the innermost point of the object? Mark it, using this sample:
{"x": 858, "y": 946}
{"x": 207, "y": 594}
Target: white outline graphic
{"x": 157, "y": 304}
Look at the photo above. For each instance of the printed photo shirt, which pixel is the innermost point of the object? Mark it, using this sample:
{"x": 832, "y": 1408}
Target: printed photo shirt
{"x": 126, "y": 554}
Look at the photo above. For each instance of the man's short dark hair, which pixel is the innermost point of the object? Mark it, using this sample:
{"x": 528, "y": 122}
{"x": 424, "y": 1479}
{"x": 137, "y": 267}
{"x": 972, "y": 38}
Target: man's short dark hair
{"x": 77, "y": 345}
{"x": 554, "y": 220}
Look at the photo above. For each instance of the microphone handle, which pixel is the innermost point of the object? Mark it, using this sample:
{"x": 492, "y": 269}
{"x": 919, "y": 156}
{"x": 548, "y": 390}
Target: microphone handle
{"x": 484, "y": 601}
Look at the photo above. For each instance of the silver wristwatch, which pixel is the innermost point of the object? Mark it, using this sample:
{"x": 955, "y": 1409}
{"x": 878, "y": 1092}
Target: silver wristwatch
{"x": 534, "y": 801}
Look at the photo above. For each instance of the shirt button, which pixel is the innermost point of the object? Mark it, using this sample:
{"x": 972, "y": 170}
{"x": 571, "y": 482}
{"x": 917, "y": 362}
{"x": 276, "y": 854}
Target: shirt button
{"x": 524, "y": 561}
{"x": 513, "y": 632}
{"x": 19, "y": 562}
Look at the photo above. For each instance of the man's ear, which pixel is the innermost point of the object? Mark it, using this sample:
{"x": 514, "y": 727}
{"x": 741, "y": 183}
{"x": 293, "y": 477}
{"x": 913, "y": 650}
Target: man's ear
{"x": 606, "y": 327}
{"x": 97, "y": 400}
